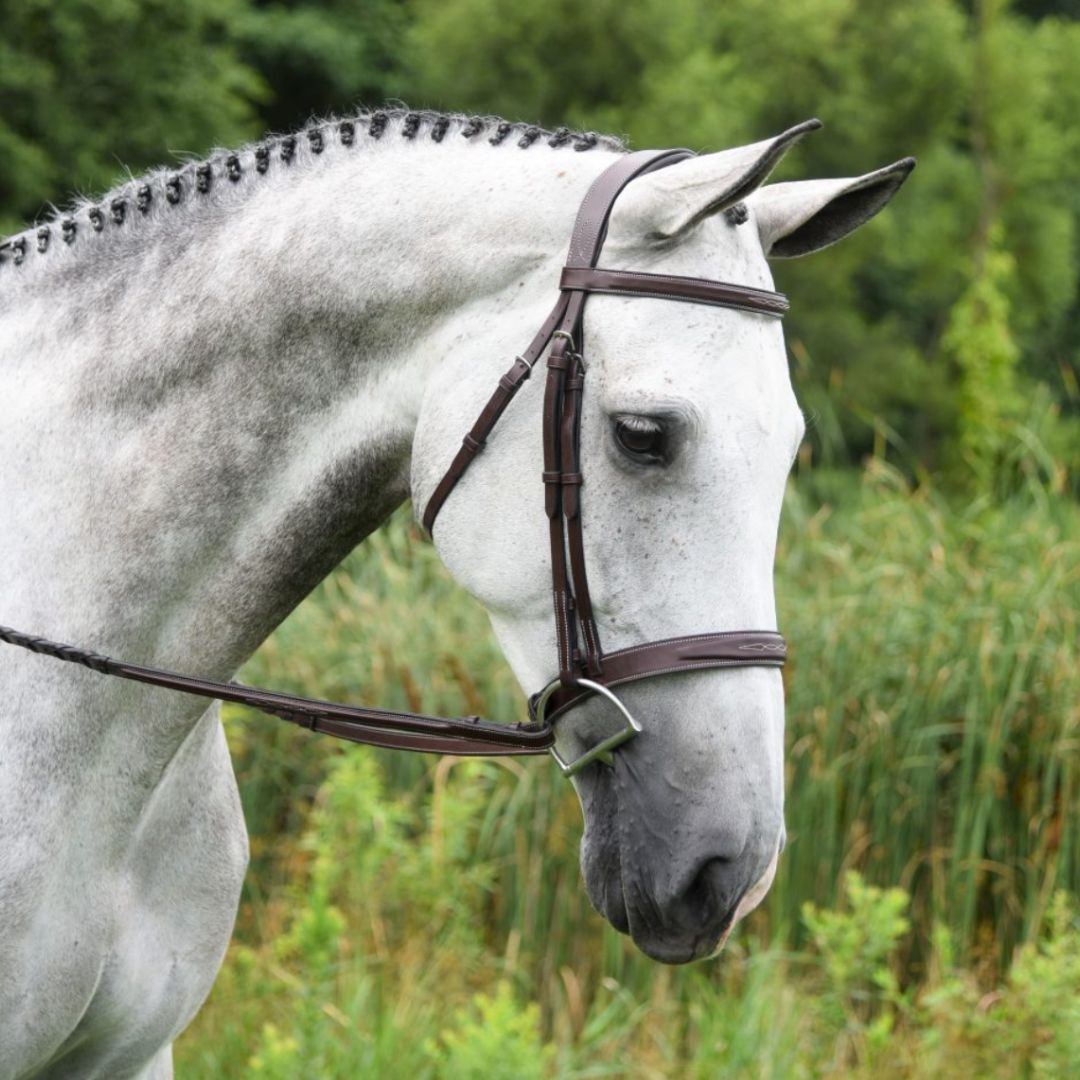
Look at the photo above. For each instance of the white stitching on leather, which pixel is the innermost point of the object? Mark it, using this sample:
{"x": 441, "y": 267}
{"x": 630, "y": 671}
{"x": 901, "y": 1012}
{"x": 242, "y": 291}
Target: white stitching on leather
{"x": 693, "y": 637}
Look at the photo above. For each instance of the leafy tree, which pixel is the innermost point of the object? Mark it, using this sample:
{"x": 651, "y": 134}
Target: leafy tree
{"x": 985, "y": 98}
{"x": 90, "y": 86}
{"x": 321, "y": 56}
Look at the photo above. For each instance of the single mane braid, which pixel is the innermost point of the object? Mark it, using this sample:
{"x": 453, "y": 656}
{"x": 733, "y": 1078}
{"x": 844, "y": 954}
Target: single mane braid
{"x": 190, "y": 182}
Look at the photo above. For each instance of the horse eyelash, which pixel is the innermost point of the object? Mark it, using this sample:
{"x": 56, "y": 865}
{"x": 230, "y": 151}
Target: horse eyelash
{"x": 643, "y": 425}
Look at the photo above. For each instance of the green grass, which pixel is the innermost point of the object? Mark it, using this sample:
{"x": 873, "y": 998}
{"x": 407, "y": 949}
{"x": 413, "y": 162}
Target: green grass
{"x": 933, "y": 713}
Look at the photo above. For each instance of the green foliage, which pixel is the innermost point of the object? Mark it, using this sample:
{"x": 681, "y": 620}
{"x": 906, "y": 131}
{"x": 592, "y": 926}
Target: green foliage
{"x": 321, "y": 56}
{"x": 278, "y": 1056}
{"x": 860, "y": 993}
{"x": 1009, "y": 432}
{"x": 89, "y": 83}
{"x": 492, "y": 1039}
{"x": 1042, "y": 1015}
{"x": 1029, "y": 1026}
{"x": 555, "y": 63}
{"x": 749, "y": 1019}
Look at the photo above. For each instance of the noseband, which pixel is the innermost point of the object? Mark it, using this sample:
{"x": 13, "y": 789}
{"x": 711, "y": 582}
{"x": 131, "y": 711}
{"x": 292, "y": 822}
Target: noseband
{"x": 584, "y": 669}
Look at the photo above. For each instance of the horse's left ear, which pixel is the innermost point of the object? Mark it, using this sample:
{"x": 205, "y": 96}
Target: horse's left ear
{"x": 806, "y": 215}
{"x": 668, "y": 203}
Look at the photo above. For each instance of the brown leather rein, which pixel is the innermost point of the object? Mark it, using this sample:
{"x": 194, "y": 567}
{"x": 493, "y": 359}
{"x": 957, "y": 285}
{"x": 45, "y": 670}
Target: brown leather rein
{"x": 584, "y": 668}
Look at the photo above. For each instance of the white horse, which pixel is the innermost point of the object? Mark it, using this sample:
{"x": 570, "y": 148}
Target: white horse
{"x": 215, "y": 381}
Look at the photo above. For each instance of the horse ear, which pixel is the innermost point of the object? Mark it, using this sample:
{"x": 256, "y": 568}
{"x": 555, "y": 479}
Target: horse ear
{"x": 663, "y": 204}
{"x": 807, "y": 215}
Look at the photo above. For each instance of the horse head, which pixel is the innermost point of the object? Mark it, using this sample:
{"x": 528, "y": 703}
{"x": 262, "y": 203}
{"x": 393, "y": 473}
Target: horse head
{"x": 689, "y": 427}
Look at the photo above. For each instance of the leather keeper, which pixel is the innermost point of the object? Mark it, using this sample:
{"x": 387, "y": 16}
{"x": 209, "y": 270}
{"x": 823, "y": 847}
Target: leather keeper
{"x": 519, "y": 372}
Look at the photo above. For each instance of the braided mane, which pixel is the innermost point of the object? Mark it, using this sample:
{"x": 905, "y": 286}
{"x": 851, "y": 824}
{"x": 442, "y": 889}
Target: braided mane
{"x": 173, "y": 187}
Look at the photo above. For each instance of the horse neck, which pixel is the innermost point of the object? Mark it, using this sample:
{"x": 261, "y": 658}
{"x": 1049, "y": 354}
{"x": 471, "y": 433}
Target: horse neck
{"x": 206, "y": 411}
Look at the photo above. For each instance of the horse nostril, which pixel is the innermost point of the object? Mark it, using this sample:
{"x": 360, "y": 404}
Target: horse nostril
{"x": 714, "y": 892}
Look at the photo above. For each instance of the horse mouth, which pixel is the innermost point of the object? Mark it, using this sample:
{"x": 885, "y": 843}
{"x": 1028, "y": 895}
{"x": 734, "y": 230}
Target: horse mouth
{"x": 679, "y": 939}
{"x": 680, "y": 948}
{"x": 675, "y": 871}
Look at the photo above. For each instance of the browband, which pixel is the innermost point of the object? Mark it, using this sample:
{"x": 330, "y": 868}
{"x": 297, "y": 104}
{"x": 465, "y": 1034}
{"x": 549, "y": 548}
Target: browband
{"x": 669, "y": 287}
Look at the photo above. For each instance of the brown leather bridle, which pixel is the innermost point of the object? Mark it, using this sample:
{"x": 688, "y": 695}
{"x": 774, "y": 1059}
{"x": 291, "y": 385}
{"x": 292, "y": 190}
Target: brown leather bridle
{"x": 584, "y": 669}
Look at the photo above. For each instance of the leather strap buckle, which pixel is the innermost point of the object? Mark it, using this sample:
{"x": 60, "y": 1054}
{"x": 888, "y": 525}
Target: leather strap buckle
{"x": 603, "y": 749}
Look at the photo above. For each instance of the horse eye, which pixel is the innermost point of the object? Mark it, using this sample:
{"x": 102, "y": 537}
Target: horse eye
{"x": 641, "y": 438}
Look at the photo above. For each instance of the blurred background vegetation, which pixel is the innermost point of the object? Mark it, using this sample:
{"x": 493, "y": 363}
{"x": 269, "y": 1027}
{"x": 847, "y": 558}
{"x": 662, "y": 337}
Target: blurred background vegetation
{"x": 402, "y": 912}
